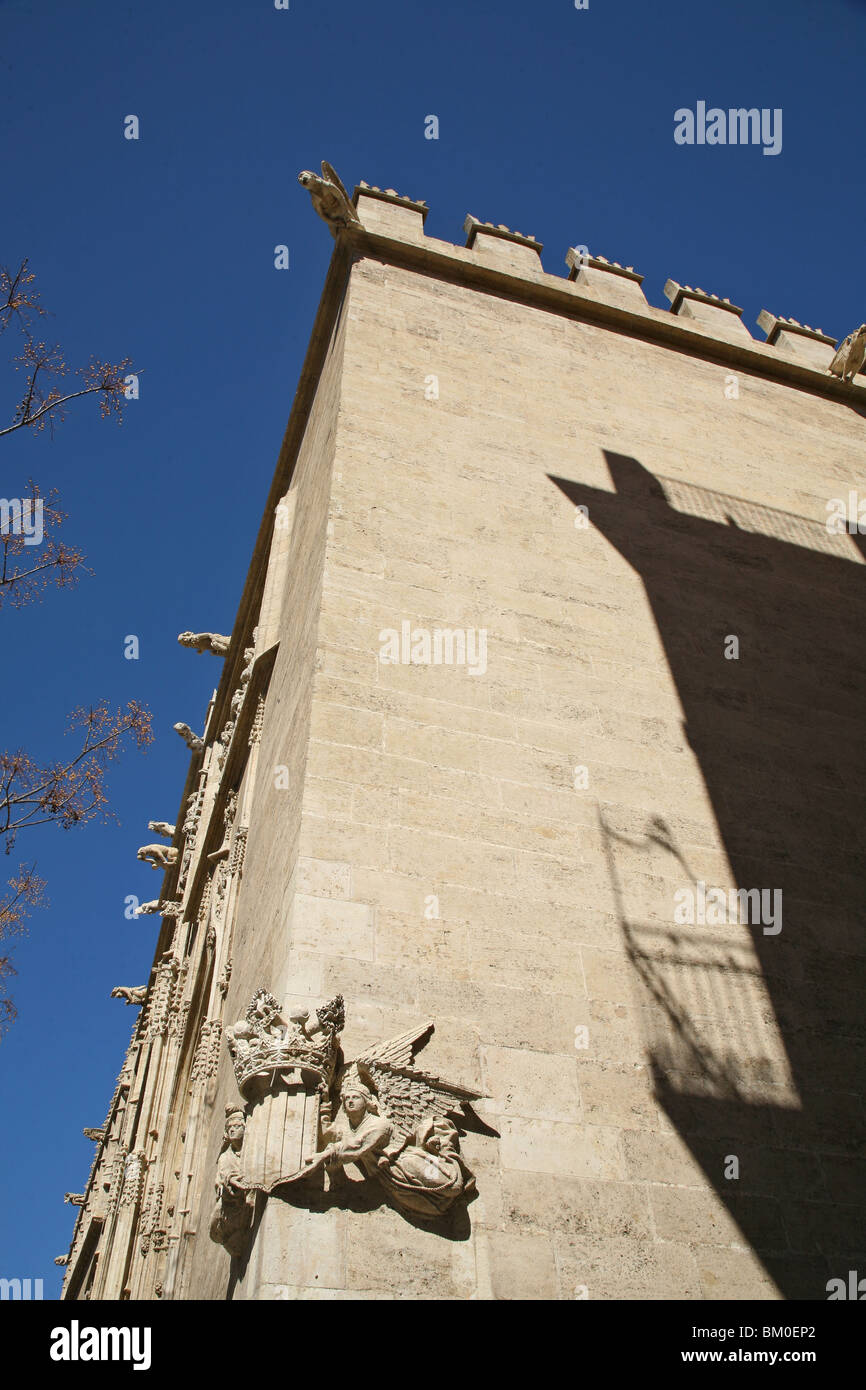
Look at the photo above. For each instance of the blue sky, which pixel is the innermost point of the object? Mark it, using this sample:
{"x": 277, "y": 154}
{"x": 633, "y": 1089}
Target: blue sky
{"x": 554, "y": 121}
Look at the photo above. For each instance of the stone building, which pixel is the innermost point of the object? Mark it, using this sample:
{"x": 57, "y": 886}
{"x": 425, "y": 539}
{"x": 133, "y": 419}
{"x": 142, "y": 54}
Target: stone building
{"x": 540, "y": 721}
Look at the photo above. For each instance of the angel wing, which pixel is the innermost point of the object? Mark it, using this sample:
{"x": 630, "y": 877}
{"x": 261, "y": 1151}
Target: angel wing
{"x": 330, "y": 174}
{"x": 405, "y": 1094}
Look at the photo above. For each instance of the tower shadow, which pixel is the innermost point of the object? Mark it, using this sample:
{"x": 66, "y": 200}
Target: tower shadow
{"x": 778, "y": 736}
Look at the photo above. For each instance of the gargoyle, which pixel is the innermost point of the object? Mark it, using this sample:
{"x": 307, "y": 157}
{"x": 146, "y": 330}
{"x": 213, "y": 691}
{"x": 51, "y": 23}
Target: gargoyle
{"x": 161, "y": 827}
{"x": 133, "y": 994}
{"x": 192, "y": 741}
{"x": 850, "y": 355}
{"x": 97, "y": 1135}
{"x": 74, "y": 1199}
{"x": 158, "y": 856}
{"x": 213, "y": 642}
{"x": 330, "y": 199}
{"x": 61, "y": 1260}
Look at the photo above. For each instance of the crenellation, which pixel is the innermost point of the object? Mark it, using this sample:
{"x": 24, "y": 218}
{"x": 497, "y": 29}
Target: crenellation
{"x": 797, "y": 340}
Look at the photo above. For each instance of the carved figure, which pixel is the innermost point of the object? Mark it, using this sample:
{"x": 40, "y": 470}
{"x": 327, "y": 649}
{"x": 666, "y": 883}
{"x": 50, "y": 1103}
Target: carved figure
{"x": 161, "y": 827}
{"x": 158, "y": 856}
{"x": 397, "y": 1128}
{"x": 61, "y": 1260}
{"x": 133, "y": 994}
{"x": 75, "y": 1199}
{"x": 192, "y": 741}
{"x": 330, "y": 199}
{"x": 233, "y": 1213}
{"x": 213, "y": 642}
{"x": 850, "y": 355}
{"x": 97, "y": 1135}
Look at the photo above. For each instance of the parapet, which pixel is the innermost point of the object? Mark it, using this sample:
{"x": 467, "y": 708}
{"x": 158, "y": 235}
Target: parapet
{"x": 495, "y": 259}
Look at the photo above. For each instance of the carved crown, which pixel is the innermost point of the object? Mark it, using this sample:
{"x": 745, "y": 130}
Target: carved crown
{"x": 263, "y": 1045}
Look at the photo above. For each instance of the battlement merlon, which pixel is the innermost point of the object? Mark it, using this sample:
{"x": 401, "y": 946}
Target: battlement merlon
{"x": 604, "y": 279}
{"x": 718, "y": 314}
{"x": 798, "y": 339}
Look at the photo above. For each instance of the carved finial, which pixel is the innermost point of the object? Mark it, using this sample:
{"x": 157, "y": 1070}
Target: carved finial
{"x": 192, "y": 741}
{"x": 850, "y": 355}
{"x": 213, "y": 642}
{"x": 330, "y": 199}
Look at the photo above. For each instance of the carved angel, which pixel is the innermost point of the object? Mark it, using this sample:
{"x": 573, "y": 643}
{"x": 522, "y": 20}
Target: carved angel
{"x": 398, "y": 1128}
{"x": 330, "y": 199}
{"x": 850, "y": 355}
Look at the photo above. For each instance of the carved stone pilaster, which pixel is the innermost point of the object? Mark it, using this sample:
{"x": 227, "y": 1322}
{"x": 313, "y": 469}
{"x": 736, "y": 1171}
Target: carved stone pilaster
{"x": 133, "y": 1178}
{"x": 207, "y": 1053}
{"x": 190, "y": 833}
{"x": 225, "y": 977}
{"x": 239, "y": 849}
{"x": 162, "y": 995}
{"x": 219, "y": 889}
{"x": 151, "y": 1232}
{"x": 115, "y": 1179}
{"x": 258, "y": 721}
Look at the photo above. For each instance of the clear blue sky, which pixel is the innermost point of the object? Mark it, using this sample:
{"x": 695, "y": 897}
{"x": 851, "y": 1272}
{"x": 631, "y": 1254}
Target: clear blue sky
{"x": 554, "y": 121}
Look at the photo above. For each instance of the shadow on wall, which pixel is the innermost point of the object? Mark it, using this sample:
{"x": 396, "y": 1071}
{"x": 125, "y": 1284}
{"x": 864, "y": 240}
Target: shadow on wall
{"x": 757, "y": 1038}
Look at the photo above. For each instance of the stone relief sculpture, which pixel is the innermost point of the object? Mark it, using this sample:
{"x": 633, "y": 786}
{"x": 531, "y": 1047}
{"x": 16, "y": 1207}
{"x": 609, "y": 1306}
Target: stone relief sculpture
{"x": 192, "y": 741}
{"x": 161, "y": 827}
{"x": 397, "y": 1128}
{"x": 850, "y": 355}
{"x": 284, "y": 1070}
{"x": 135, "y": 994}
{"x": 394, "y": 1119}
{"x": 330, "y": 199}
{"x": 213, "y": 642}
{"x": 158, "y": 856}
{"x": 233, "y": 1213}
